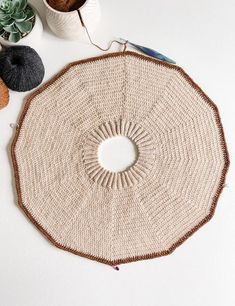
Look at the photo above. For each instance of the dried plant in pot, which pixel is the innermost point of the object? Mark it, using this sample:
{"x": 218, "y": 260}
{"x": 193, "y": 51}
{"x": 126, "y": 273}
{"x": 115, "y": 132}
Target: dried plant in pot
{"x": 19, "y": 23}
{"x": 64, "y": 17}
{"x": 66, "y": 5}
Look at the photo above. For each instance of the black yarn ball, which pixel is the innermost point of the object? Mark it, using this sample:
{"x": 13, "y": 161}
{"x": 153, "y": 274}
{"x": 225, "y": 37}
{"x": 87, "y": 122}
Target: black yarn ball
{"x": 21, "y": 68}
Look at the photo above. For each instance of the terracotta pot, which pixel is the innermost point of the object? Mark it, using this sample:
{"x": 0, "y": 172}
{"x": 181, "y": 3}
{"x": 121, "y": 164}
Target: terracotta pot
{"x": 68, "y": 24}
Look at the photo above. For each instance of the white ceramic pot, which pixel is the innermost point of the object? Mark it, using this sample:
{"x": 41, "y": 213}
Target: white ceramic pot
{"x": 68, "y": 24}
{"x": 31, "y": 39}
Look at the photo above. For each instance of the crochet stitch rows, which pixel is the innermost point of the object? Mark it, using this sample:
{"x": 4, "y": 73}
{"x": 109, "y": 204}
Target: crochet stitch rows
{"x": 145, "y": 211}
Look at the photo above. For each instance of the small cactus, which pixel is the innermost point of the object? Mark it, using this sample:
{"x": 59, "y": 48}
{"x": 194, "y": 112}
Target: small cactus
{"x": 16, "y": 19}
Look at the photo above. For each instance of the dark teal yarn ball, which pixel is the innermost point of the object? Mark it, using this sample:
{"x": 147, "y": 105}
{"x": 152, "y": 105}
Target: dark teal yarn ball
{"x": 21, "y": 68}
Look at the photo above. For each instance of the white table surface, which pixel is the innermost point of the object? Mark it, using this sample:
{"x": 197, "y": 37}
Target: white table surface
{"x": 200, "y": 36}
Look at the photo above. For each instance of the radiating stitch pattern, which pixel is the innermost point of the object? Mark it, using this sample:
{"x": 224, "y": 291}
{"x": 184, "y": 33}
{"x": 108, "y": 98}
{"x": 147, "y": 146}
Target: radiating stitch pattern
{"x": 145, "y": 211}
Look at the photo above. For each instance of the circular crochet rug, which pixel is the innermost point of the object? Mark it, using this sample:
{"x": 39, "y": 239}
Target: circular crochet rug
{"x": 150, "y": 208}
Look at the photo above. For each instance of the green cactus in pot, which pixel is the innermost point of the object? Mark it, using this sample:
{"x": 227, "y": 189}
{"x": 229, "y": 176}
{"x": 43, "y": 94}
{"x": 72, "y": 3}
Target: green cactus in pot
{"x": 16, "y": 19}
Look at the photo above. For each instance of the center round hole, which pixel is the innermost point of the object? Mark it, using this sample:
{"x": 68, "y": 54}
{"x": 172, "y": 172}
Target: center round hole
{"x": 117, "y": 154}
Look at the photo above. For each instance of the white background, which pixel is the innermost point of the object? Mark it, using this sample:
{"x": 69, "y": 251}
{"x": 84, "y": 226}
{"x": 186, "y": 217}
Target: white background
{"x": 200, "y": 36}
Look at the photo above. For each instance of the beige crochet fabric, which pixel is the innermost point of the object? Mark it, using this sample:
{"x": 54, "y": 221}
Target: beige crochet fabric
{"x": 145, "y": 211}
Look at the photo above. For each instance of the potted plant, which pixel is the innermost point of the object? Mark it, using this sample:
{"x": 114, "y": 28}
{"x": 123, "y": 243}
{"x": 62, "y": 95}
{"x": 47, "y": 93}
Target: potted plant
{"x": 19, "y": 23}
{"x": 65, "y": 17}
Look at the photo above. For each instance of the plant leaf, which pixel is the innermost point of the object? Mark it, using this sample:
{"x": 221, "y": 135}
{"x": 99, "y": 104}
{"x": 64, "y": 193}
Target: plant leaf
{"x": 5, "y": 17}
{"x": 5, "y": 5}
{"x": 19, "y": 17}
{"x": 15, "y": 5}
{"x": 14, "y": 37}
{"x": 22, "y": 5}
{"x": 20, "y": 20}
{"x": 152, "y": 53}
{"x": 2, "y": 14}
{"x": 8, "y": 7}
{"x": 7, "y": 23}
{"x": 11, "y": 29}
{"x": 29, "y": 14}
{"x": 24, "y": 27}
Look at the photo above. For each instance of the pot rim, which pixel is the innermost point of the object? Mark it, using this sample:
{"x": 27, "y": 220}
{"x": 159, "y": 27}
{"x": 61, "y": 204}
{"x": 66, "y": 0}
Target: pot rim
{"x": 63, "y": 13}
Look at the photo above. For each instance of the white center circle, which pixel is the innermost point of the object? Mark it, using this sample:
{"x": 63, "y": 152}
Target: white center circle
{"x": 117, "y": 154}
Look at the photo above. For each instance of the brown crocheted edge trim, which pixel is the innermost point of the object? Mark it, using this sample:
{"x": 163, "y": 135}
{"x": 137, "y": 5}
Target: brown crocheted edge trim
{"x": 189, "y": 233}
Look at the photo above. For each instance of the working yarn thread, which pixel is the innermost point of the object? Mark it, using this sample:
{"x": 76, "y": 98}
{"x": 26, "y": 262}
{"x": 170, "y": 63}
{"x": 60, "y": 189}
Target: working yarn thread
{"x": 21, "y": 68}
{"x": 124, "y": 43}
